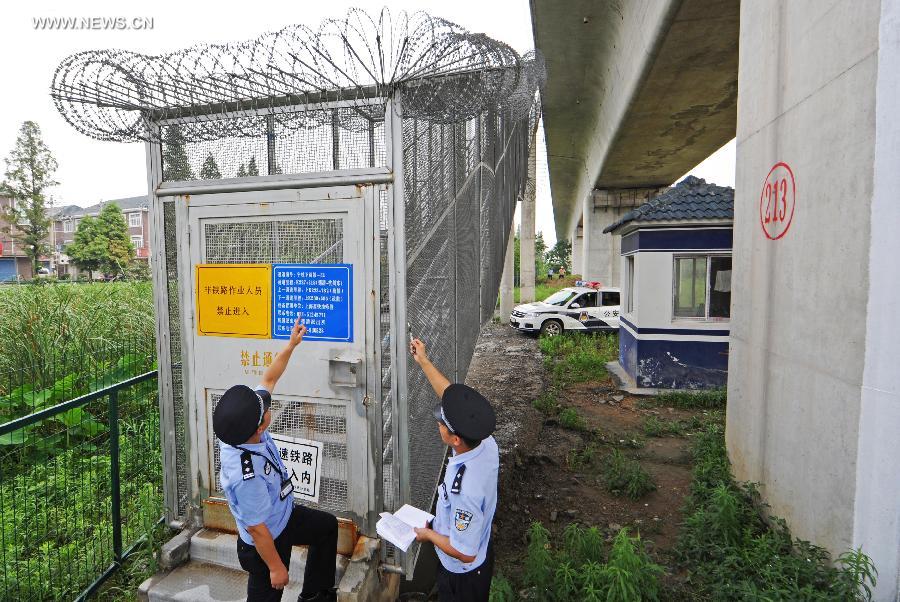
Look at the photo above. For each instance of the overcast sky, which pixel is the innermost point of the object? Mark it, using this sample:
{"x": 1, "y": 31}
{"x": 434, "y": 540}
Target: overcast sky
{"x": 90, "y": 171}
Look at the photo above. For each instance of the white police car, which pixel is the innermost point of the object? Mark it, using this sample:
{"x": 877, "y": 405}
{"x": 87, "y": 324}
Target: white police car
{"x": 592, "y": 309}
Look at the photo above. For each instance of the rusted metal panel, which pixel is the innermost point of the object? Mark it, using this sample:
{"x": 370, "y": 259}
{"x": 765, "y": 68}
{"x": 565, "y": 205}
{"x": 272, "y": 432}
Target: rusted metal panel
{"x": 216, "y": 515}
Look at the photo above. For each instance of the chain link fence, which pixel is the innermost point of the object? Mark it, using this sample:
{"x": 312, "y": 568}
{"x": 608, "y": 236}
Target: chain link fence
{"x": 80, "y": 471}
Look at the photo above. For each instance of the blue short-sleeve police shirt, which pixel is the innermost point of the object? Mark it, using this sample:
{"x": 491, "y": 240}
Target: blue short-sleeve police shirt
{"x": 255, "y": 499}
{"x": 465, "y": 512}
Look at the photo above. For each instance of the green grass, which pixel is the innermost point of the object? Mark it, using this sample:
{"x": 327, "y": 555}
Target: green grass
{"x": 732, "y": 553}
{"x": 40, "y": 326}
{"x": 622, "y": 476}
{"x": 577, "y": 459}
{"x": 577, "y": 357}
{"x": 544, "y": 288}
{"x": 714, "y": 399}
{"x": 658, "y": 427}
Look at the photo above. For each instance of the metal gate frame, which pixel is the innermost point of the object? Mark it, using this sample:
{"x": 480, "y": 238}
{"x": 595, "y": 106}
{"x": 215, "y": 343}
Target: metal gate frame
{"x": 499, "y": 138}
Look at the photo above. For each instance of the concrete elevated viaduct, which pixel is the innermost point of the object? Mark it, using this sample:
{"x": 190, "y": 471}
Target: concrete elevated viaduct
{"x": 638, "y": 92}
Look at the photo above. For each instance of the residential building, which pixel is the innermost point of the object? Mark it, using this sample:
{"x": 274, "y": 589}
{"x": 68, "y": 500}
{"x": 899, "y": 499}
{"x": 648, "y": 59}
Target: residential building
{"x": 14, "y": 263}
{"x": 66, "y": 219}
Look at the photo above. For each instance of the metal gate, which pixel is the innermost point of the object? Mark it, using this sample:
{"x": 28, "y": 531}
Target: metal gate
{"x": 312, "y": 400}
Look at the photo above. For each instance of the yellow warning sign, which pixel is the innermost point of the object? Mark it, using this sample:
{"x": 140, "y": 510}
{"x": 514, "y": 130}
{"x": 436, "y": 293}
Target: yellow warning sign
{"x": 234, "y": 300}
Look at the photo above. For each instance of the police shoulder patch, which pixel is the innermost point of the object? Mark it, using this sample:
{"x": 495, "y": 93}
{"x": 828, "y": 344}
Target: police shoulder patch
{"x": 247, "y": 466}
{"x": 462, "y": 519}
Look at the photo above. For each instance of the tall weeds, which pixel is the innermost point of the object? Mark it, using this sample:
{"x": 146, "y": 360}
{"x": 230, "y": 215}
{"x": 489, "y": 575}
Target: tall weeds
{"x": 43, "y": 325}
{"x": 734, "y": 551}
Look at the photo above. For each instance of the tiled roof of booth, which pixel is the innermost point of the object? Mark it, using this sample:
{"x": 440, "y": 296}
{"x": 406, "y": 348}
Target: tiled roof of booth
{"x": 691, "y": 199}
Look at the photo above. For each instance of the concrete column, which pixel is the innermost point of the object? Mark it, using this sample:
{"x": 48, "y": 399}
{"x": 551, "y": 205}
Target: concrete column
{"x": 526, "y": 241}
{"x": 578, "y": 251}
{"x": 596, "y": 265}
{"x": 602, "y": 251}
{"x": 506, "y": 280}
{"x": 814, "y": 411}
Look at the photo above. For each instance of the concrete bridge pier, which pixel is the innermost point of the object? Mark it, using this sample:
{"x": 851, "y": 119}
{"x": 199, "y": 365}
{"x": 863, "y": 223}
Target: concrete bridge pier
{"x": 578, "y": 250}
{"x": 600, "y": 255}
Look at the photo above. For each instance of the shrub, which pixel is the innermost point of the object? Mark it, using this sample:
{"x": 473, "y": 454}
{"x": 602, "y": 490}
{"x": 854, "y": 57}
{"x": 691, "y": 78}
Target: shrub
{"x": 570, "y": 418}
{"x": 622, "y": 476}
{"x": 576, "y": 459}
{"x": 576, "y": 571}
{"x": 732, "y": 553}
{"x": 501, "y": 590}
{"x": 546, "y": 404}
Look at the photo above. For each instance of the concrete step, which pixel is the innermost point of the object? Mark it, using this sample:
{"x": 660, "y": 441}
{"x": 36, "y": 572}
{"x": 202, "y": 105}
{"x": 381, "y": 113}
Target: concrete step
{"x": 216, "y": 547}
{"x": 213, "y": 574}
{"x": 202, "y": 582}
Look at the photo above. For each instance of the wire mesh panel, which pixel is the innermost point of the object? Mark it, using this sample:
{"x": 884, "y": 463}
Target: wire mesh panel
{"x": 317, "y": 420}
{"x": 461, "y": 183}
{"x": 175, "y": 368}
{"x": 309, "y": 141}
{"x": 306, "y": 240}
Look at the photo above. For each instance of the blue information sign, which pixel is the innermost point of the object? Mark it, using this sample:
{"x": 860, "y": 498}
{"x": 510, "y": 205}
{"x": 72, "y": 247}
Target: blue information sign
{"x": 321, "y": 293}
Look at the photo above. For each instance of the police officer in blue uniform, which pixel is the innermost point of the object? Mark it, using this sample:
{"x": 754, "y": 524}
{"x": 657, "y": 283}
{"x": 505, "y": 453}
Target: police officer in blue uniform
{"x": 467, "y": 496}
{"x": 260, "y": 494}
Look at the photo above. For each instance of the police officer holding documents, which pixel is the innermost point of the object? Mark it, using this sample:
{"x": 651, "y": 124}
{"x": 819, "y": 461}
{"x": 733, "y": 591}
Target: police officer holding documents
{"x": 467, "y": 497}
{"x": 260, "y": 494}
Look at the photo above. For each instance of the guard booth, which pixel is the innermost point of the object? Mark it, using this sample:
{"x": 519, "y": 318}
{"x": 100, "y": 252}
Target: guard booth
{"x": 378, "y": 212}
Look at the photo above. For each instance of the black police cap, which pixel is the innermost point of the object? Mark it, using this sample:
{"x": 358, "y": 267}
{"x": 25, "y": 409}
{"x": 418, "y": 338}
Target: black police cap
{"x": 466, "y": 412}
{"x": 238, "y": 414}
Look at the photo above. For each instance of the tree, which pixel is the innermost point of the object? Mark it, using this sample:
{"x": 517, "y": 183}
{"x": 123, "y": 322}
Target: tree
{"x": 242, "y": 171}
{"x": 138, "y": 269}
{"x": 560, "y": 255}
{"x": 87, "y": 248}
{"x": 29, "y": 172}
{"x": 210, "y": 170}
{"x": 252, "y": 169}
{"x": 102, "y": 243}
{"x": 176, "y": 166}
{"x": 540, "y": 263}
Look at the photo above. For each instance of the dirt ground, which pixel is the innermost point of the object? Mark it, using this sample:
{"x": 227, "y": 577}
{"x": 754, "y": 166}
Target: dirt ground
{"x": 538, "y": 481}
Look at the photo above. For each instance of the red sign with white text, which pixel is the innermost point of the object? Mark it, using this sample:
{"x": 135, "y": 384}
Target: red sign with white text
{"x": 776, "y": 201}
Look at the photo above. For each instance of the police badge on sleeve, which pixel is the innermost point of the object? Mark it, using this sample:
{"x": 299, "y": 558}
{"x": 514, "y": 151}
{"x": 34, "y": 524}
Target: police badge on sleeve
{"x": 462, "y": 519}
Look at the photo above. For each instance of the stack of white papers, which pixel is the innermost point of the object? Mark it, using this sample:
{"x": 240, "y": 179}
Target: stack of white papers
{"x": 398, "y": 528}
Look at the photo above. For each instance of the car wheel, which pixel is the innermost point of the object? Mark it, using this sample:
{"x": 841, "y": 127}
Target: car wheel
{"x": 551, "y": 328}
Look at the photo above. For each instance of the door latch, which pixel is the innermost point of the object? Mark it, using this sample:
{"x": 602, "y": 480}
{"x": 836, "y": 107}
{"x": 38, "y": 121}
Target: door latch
{"x": 345, "y": 372}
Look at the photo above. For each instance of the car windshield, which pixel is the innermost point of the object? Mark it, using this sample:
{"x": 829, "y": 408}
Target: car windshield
{"x": 560, "y": 297}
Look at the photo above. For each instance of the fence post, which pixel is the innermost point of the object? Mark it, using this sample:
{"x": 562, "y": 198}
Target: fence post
{"x": 116, "y": 491}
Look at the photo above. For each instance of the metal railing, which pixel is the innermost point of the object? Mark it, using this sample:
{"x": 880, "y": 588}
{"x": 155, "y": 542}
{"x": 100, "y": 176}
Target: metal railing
{"x": 80, "y": 488}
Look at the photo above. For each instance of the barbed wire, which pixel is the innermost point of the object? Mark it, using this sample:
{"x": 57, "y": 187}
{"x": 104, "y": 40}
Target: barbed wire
{"x": 446, "y": 74}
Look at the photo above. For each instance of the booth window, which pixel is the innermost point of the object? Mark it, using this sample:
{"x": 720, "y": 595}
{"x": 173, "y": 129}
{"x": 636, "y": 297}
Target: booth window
{"x": 629, "y": 285}
{"x": 702, "y": 287}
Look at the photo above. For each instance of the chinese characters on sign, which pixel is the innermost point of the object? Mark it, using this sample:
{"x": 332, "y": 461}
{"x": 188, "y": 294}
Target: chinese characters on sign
{"x": 303, "y": 459}
{"x": 321, "y": 294}
{"x": 234, "y": 300}
{"x": 254, "y": 362}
